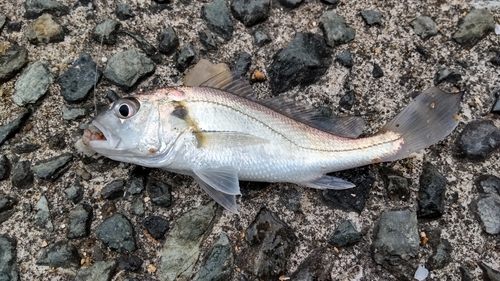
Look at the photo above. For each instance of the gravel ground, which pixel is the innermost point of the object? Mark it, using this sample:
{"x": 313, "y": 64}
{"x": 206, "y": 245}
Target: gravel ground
{"x": 390, "y": 44}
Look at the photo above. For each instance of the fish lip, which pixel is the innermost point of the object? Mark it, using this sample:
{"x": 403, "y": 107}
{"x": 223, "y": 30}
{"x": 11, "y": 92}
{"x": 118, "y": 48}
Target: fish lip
{"x": 112, "y": 140}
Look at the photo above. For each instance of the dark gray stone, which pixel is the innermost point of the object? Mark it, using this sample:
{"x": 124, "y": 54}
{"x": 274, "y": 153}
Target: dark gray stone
{"x": 10, "y": 128}
{"x": 8, "y": 253}
{"x": 42, "y": 216}
{"x": 345, "y": 235}
{"x": 137, "y": 206}
{"x": 35, "y": 8}
{"x": 496, "y": 61}
{"x": 422, "y": 51}
{"x": 474, "y": 27}
{"x": 186, "y": 236}
{"x": 99, "y": 271}
{"x": 441, "y": 256}
{"x": 344, "y": 200}
{"x": 60, "y": 254}
{"x": 290, "y": 4}
{"x": 25, "y": 148}
{"x": 136, "y": 180}
{"x": 331, "y": 2}
{"x": 251, "y": 12}
{"x": 478, "y": 140}
{"x": 290, "y": 198}
{"x": 159, "y": 192}
{"x": 447, "y": 75}
{"x": 184, "y": 57}
{"x": 496, "y": 105}
{"x": 207, "y": 40}
{"x": 12, "y": 61}
{"x": 347, "y": 101}
{"x": 219, "y": 264}
{"x": 73, "y": 113}
{"x": 317, "y": 266}
{"x": 126, "y": 68}
{"x": 335, "y": 29}
{"x": 113, "y": 190}
{"x": 106, "y": 32}
{"x": 77, "y": 82}
{"x": 53, "y": 168}
{"x": 396, "y": 243}
{"x": 488, "y": 184}
{"x": 74, "y": 192}
{"x": 80, "y": 220}
{"x": 398, "y": 187}
{"x": 142, "y": 43}
{"x": 424, "y": 27}
{"x": 261, "y": 38}
{"x": 45, "y": 30}
{"x": 117, "y": 233}
{"x": 271, "y": 242}
{"x": 7, "y": 203}
{"x": 169, "y": 42}
{"x": 129, "y": 263}
{"x": 242, "y": 64}
{"x": 156, "y": 226}
{"x": 4, "y": 167}
{"x": 302, "y": 62}
{"x": 218, "y": 19}
{"x": 22, "y": 175}
{"x": 33, "y": 83}
{"x": 123, "y": 11}
{"x": 465, "y": 273}
{"x": 377, "y": 72}
{"x": 489, "y": 274}
{"x": 345, "y": 58}
{"x": 371, "y": 17}
{"x": 431, "y": 194}
{"x": 488, "y": 209}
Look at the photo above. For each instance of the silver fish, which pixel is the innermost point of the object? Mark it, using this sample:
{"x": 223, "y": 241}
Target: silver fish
{"x": 217, "y": 134}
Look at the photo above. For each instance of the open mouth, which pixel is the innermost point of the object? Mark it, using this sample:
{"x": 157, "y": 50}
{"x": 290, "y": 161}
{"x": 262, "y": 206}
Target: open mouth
{"x": 92, "y": 134}
{"x": 98, "y": 136}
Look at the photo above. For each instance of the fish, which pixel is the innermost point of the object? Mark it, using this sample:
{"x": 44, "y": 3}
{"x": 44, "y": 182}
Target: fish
{"x": 217, "y": 132}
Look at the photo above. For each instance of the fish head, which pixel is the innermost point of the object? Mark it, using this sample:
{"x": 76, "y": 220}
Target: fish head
{"x": 136, "y": 130}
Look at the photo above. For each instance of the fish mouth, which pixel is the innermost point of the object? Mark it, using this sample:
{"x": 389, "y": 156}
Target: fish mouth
{"x": 100, "y": 138}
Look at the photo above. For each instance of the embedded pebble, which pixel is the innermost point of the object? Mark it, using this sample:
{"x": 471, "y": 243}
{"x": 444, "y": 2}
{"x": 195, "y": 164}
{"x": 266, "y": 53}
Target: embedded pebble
{"x": 345, "y": 235}
{"x": 496, "y": 60}
{"x": 73, "y": 113}
{"x": 42, "y": 216}
{"x": 317, "y": 266}
{"x": 24, "y": 148}
{"x": 99, "y": 271}
{"x": 261, "y": 38}
{"x": 270, "y": 241}
{"x": 136, "y": 180}
{"x": 169, "y": 42}
{"x": 242, "y": 64}
{"x": 3, "y": 18}
{"x": 442, "y": 256}
{"x": 371, "y": 17}
{"x": 130, "y": 263}
{"x": 22, "y": 175}
{"x": 137, "y": 206}
{"x": 219, "y": 264}
{"x": 9, "y": 129}
{"x": 77, "y": 82}
{"x": 80, "y": 220}
{"x": 465, "y": 273}
{"x": 335, "y": 29}
{"x": 474, "y": 27}
{"x": 377, "y": 72}
{"x": 52, "y": 168}
{"x": 113, "y": 190}
{"x": 218, "y": 19}
{"x": 117, "y": 233}
{"x": 489, "y": 212}
{"x": 106, "y": 32}
{"x": 74, "y": 192}
{"x": 290, "y": 198}
{"x": 302, "y": 62}
{"x": 207, "y": 40}
{"x": 123, "y": 11}
{"x": 478, "y": 140}
{"x": 7, "y": 204}
{"x": 33, "y": 83}
{"x": 185, "y": 57}
{"x": 489, "y": 273}
{"x": 159, "y": 192}
{"x": 183, "y": 243}
{"x": 423, "y": 51}
{"x": 45, "y": 30}
{"x": 8, "y": 255}
{"x": 347, "y": 101}
{"x": 156, "y": 226}
{"x": 60, "y": 254}
{"x": 424, "y": 27}
{"x": 35, "y": 8}
{"x": 447, "y": 75}
{"x": 251, "y": 13}
{"x": 488, "y": 184}
{"x": 345, "y": 58}
{"x": 12, "y": 61}
{"x": 431, "y": 194}
{"x": 398, "y": 187}
{"x": 290, "y": 4}
{"x": 396, "y": 243}
{"x": 126, "y": 68}
{"x": 143, "y": 44}
{"x": 4, "y": 167}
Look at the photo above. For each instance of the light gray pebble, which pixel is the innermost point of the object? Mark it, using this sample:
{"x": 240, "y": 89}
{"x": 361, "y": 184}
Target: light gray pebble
{"x": 33, "y": 83}
{"x": 424, "y": 27}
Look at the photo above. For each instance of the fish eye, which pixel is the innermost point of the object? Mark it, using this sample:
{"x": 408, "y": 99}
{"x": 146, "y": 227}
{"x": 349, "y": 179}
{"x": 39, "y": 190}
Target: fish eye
{"x": 126, "y": 107}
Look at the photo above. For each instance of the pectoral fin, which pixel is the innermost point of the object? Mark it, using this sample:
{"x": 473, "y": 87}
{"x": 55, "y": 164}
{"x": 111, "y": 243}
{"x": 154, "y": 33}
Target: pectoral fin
{"x": 221, "y": 184}
{"x": 225, "y": 200}
{"x": 218, "y": 139}
{"x": 329, "y": 182}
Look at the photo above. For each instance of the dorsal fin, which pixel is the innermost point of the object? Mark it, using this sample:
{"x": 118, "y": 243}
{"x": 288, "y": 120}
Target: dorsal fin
{"x": 218, "y": 76}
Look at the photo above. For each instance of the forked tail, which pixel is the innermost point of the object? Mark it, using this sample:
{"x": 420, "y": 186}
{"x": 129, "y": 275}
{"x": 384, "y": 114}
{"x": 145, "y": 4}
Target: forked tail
{"x": 429, "y": 118}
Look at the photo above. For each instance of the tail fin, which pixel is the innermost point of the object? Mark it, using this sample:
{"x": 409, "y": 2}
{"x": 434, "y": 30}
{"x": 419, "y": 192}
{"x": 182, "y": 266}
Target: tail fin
{"x": 429, "y": 118}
